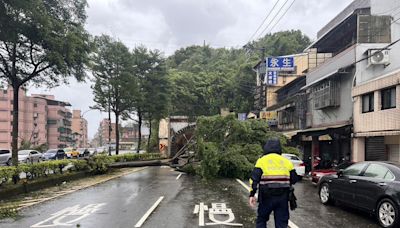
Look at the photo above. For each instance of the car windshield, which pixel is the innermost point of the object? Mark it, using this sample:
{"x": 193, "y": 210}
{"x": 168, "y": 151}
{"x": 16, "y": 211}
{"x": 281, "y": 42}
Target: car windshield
{"x": 51, "y": 151}
{"x": 24, "y": 152}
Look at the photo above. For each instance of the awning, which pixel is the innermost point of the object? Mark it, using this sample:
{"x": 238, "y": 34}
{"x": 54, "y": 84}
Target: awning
{"x": 320, "y": 79}
{"x": 321, "y": 130}
{"x": 290, "y": 134}
{"x": 376, "y": 133}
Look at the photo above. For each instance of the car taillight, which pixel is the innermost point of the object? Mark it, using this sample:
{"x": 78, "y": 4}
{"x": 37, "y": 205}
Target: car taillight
{"x": 302, "y": 164}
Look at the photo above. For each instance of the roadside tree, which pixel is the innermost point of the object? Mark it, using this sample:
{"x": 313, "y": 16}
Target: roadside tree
{"x": 114, "y": 85}
{"x": 42, "y": 42}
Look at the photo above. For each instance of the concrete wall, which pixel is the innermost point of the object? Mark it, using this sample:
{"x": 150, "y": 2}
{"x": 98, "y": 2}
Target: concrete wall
{"x": 378, "y": 120}
{"x": 365, "y": 72}
{"x": 335, "y": 115}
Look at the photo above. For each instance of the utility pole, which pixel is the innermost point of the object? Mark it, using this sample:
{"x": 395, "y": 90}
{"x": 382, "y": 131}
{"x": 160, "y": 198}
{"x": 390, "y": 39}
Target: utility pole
{"x": 109, "y": 123}
{"x": 261, "y": 88}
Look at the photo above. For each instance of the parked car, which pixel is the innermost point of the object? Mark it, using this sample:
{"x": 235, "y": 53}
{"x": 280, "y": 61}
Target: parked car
{"x": 5, "y": 157}
{"x": 54, "y": 154}
{"x": 71, "y": 152}
{"x": 29, "y": 156}
{"x": 318, "y": 173}
{"x": 92, "y": 151}
{"x": 83, "y": 152}
{"x": 370, "y": 186}
{"x": 298, "y": 164}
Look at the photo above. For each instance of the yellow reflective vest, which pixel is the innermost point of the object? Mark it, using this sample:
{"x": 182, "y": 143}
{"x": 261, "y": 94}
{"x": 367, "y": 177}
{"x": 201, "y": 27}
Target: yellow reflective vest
{"x": 275, "y": 171}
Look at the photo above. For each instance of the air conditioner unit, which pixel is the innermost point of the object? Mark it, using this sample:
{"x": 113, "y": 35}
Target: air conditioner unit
{"x": 378, "y": 57}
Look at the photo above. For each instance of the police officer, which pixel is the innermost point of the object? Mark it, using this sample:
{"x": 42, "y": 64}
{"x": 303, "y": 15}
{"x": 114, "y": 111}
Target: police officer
{"x": 273, "y": 175}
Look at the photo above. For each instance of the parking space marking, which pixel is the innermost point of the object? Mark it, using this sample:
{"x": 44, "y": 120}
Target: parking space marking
{"x": 148, "y": 213}
{"x": 179, "y": 176}
{"x": 291, "y": 224}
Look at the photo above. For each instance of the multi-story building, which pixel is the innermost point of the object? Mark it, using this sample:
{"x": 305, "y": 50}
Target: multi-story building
{"x": 59, "y": 134}
{"x": 42, "y": 120}
{"x": 265, "y": 94}
{"x": 79, "y": 129}
{"x": 376, "y": 84}
{"x": 32, "y": 119}
{"x": 336, "y": 87}
{"x": 105, "y": 129}
{"x": 269, "y": 81}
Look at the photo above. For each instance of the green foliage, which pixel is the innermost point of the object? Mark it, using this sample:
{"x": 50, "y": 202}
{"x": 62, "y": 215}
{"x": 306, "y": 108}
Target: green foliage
{"x": 98, "y": 165}
{"x": 8, "y": 211}
{"x": 205, "y": 79}
{"x": 209, "y": 166}
{"x": 228, "y": 147}
{"x": 42, "y": 42}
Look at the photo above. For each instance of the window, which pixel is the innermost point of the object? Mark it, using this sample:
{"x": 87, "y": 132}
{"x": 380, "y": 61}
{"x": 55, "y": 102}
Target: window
{"x": 5, "y": 91}
{"x": 388, "y": 98}
{"x": 368, "y": 103}
{"x": 4, "y": 151}
{"x": 354, "y": 170}
{"x": 376, "y": 171}
{"x": 35, "y": 105}
{"x": 389, "y": 176}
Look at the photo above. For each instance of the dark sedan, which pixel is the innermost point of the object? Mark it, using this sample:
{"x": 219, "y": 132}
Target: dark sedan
{"x": 54, "y": 154}
{"x": 370, "y": 186}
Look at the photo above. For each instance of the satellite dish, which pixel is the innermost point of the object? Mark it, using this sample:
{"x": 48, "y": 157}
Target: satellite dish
{"x": 378, "y": 56}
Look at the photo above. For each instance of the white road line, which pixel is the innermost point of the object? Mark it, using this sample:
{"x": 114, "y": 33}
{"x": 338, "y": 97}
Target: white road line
{"x": 291, "y": 224}
{"x": 179, "y": 176}
{"x": 243, "y": 184}
{"x": 148, "y": 213}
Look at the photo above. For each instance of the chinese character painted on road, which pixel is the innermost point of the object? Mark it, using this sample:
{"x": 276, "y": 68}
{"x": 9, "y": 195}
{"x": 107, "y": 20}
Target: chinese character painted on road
{"x": 218, "y": 214}
{"x": 69, "y": 215}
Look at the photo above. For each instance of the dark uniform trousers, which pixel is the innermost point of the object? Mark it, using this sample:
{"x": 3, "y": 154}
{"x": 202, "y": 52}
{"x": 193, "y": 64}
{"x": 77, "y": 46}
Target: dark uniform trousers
{"x": 277, "y": 204}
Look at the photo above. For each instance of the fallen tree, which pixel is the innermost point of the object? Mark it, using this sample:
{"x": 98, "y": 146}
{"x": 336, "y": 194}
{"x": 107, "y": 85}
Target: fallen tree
{"x": 227, "y": 147}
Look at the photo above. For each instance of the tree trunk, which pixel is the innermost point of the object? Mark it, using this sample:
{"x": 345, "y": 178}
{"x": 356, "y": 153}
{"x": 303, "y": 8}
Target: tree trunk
{"x": 139, "y": 131}
{"x": 116, "y": 133}
{"x": 15, "y": 123}
{"x": 148, "y": 139}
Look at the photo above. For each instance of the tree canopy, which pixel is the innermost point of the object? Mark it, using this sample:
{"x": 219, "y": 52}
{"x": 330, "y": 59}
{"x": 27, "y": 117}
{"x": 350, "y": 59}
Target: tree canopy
{"x": 41, "y": 42}
{"x": 205, "y": 79}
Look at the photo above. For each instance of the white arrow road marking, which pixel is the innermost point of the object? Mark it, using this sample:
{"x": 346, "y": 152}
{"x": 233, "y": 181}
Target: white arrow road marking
{"x": 148, "y": 213}
{"x": 291, "y": 224}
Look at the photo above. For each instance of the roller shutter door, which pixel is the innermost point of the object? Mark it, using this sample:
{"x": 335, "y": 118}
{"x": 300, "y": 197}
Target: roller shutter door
{"x": 375, "y": 149}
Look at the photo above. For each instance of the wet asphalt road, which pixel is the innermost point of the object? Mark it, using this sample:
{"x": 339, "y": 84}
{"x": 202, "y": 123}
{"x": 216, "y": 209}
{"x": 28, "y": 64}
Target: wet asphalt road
{"x": 122, "y": 203}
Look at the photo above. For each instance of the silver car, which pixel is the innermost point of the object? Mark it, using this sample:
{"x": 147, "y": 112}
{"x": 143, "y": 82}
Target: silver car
{"x": 5, "y": 157}
{"x": 29, "y": 156}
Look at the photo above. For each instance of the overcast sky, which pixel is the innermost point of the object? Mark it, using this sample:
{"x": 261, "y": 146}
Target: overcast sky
{"x": 168, "y": 25}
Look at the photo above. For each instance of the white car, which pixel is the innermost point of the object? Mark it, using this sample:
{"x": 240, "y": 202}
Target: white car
{"x": 5, "y": 157}
{"x": 92, "y": 151}
{"x": 29, "y": 156}
{"x": 298, "y": 164}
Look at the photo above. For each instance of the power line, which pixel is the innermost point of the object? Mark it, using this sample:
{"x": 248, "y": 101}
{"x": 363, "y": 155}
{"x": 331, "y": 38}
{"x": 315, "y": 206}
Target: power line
{"x": 265, "y": 19}
{"x": 276, "y": 14}
{"x": 281, "y": 16}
